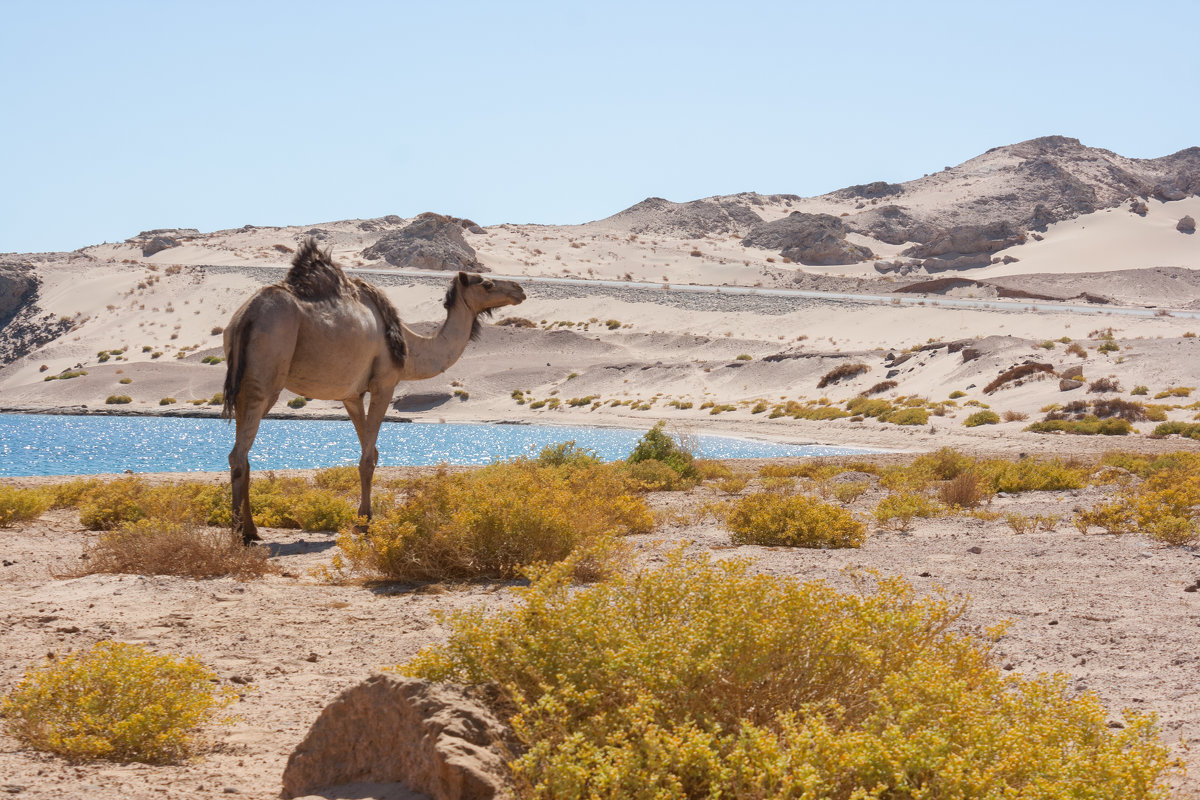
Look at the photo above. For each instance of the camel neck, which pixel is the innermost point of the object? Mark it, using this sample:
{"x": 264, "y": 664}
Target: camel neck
{"x": 432, "y": 355}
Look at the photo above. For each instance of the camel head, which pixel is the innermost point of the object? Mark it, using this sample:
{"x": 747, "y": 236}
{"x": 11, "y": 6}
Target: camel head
{"x": 481, "y": 294}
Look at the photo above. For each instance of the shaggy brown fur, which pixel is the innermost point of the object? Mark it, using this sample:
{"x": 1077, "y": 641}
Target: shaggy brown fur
{"x": 371, "y": 295}
{"x": 314, "y": 275}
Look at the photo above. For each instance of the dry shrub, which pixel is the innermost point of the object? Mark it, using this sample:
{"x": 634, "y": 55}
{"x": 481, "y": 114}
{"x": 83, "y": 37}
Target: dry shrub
{"x": 491, "y": 522}
{"x": 22, "y": 505}
{"x": 1076, "y": 349}
{"x": 156, "y": 546}
{"x": 517, "y": 322}
{"x": 115, "y": 701}
{"x": 966, "y": 490}
{"x": 880, "y": 388}
{"x": 1018, "y": 373}
{"x": 1088, "y": 426}
{"x": 1105, "y": 385}
{"x": 1014, "y": 416}
{"x": 1117, "y": 407}
{"x": 702, "y": 679}
{"x": 770, "y": 518}
{"x": 842, "y": 372}
{"x": 653, "y": 475}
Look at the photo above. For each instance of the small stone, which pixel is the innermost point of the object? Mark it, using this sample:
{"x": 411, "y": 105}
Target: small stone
{"x": 1192, "y": 588}
{"x": 1186, "y": 225}
{"x": 1053, "y": 622}
{"x": 976, "y": 549}
{"x": 1116, "y": 725}
{"x": 924, "y": 575}
{"x": 312, "y": 657}
{"x": 241, "y": 679}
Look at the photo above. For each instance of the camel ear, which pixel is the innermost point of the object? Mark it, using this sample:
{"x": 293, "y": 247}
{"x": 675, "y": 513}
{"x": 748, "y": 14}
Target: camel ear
{"x": 463, "y": 279}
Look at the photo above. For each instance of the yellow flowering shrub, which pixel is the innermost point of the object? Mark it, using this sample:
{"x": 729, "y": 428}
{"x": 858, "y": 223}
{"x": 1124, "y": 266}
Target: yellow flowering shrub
{"x": 771, "y": 518}
{"x": 114, "y": 701}
{"x": 898, "y": 510}
{"x": 1164, "y": 506}
{"x": 22, "y": 505}
{"x": 491, "y": 521}
{"x": 342, "y": 479}
{"x": 701, "y": 679}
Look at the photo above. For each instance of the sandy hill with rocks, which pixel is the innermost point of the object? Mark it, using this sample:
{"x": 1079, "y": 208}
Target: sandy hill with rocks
{"x": 1045, "y": 220}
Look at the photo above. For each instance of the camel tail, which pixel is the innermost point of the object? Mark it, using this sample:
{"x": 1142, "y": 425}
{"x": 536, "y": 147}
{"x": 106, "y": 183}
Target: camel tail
{"x": 235, "y": 364}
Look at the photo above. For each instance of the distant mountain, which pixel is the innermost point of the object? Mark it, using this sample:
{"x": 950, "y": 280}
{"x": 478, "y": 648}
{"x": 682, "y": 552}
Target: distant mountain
{"x": 957, "y": 216}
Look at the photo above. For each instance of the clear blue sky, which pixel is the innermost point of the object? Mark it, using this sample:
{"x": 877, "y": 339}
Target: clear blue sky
{"x": 122, "y": 116}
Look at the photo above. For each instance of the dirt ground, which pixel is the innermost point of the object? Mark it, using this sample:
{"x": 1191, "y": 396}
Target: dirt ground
{"x": 1113, "y": 612}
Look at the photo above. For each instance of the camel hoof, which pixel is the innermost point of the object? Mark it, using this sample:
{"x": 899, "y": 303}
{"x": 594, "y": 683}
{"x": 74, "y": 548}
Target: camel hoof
{"x": 249, "y": 537}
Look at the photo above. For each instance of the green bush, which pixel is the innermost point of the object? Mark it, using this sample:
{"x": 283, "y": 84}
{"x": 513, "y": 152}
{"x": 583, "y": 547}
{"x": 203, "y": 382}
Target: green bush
{"x": 701, "y": 679}
{"x": 769, "y": 518}
{"x": 657, "y": 445}
{"x": 1088, "y": 426}
{"x": 908, "y": 416}
{"x": 982, "y": 418}
{"x": 297, "y": 402}
{"x": 114, "y": 701}
{"x": 118, "y": 399}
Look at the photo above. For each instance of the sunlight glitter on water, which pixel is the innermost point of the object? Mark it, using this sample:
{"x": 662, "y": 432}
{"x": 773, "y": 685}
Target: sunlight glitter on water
{"x": 35, "y": 444}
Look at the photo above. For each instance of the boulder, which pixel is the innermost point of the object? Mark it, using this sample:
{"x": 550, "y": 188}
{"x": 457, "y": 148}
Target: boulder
{"x": 1186, "y": 225}
{"x": 158, "y": 244}
{"x": 1068, "y": 384}
{"x": 811, "y": 239}
{"x": 1074, "y": 373}
{"x": 966, "y": 246}
{"x": 431, "y": 738}
{"x": 1138, "y": 206}
{"x": 431, "y": 241}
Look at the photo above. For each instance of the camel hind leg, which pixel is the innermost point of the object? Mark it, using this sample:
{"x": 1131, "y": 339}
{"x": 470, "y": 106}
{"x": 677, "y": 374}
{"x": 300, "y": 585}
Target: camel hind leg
{"x": 249, "y": 416}
{"x": 366, "y": 425}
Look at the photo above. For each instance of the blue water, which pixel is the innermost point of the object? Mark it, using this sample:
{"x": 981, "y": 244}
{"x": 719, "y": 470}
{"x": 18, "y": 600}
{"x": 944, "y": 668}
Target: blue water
{"x": 35, "y": 444}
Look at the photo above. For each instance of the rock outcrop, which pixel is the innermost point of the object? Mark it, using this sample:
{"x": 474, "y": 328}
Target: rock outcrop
{"x": 17, "y": 286}
{"x": 869, "y": 191}
{"x": 158, "y": 244}
{"x": 431, "y": 738}
{"x": 966, "y": 246}
{"x": 431, "y": 241}
{"x": 892, "y": 224}
{"x": 692, "y": 220}
{"x": 810, "y": 239}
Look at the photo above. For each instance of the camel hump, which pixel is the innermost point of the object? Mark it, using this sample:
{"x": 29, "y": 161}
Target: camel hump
{"x": 314, "y": 275}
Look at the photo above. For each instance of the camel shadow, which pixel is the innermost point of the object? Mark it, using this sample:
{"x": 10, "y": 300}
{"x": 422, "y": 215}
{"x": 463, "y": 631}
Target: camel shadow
{"x": 301, "y": 547}
{"x": 420, "y": 401}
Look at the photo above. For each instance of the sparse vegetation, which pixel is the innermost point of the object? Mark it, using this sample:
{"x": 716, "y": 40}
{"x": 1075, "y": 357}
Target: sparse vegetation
{"x": 118, "y": 399}
{"x": 297, "y": 402}
{"x": 1018, "y": 374}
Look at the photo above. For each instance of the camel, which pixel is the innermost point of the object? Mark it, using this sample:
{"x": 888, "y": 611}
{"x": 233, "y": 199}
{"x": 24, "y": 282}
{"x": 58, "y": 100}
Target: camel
{"x": 322, "y": 334}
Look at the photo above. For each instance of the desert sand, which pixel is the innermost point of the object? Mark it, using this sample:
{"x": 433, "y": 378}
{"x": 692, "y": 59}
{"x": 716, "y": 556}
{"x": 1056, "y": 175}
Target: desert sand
{"x": 664, "y": 305}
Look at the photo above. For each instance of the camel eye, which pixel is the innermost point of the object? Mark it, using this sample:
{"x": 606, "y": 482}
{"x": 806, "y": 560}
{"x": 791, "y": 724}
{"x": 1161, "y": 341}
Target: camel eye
{"x": 489, "y": 284}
